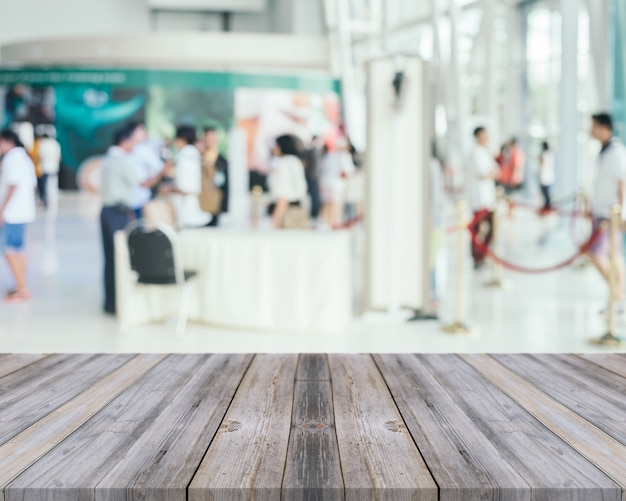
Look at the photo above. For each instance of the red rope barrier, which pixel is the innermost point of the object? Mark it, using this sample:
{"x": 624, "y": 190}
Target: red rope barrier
{"x": 350, "y": 223}
{"x": 583, "y": 249}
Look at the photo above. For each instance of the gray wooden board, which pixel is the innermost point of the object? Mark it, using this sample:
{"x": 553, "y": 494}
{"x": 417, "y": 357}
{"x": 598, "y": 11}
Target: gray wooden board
{"x": 590, "y": 391}
{"x": 22, "y": 451}
{"x": 246, "y": 460}
{"x": 163, "y": 460}
{"x": 313, "y": 469}
{"x": 13, "y": 362}
{"x": 462, "y": 459}
{"x": 26, "y": 396}
{"x": 614, "y": 363}
{"x": 379, "y": 459}
{"x": 313, "y": 427}
{"x": 549, "y": 465}
{"x": 313, "y": 367}
{"x": 606, "y": 453}
{"x": 75, "y": 466}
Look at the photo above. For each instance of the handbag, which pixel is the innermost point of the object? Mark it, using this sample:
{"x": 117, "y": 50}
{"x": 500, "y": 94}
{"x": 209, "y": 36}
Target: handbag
{"x": 296, "y": 218}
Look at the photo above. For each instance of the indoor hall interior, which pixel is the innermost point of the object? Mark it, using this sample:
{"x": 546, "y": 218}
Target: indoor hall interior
{"x": 553, "y": 312}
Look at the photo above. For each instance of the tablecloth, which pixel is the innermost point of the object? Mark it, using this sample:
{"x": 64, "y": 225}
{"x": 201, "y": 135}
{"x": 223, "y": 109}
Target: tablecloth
{"x": 285, "y": 280}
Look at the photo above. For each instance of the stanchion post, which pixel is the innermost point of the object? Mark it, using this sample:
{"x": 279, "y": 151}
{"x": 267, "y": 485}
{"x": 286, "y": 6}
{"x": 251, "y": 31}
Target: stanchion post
{"x": 610, "y": 338}
{"x": 496, "y": 282}
{"x": 459, "y": 326}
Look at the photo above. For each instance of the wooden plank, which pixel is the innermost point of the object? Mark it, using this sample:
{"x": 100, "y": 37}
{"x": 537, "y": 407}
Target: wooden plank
{"x": 379, "y": 459}
{"x": 313, "y": 367}
{"x": 594, "y": 444}
{"x": 22, "y": 451}
{"x": 466, "y": 465}
{"x": 588, "y": 390}
{"x": 246, "y": 460}
{"x": 10, "y": 363}
{"x": 615, "y": 363}
{"x": 543, "y": 460}
{"x": 34, "y": 392}
{"x": 163, "y": 460}
{"x": 313, "y": 469}
{"x": 139, "y": 422}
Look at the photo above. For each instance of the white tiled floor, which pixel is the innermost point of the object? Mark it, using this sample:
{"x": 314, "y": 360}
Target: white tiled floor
{"x": 556, "y": 312}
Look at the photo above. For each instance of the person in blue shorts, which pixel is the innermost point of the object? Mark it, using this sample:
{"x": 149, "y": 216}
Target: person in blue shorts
{"x": 17, "y": 209}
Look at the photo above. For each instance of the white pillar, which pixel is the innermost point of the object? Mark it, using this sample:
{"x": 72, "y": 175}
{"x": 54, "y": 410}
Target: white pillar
{"x": 489, "y": 91}
{"x": 599, "y": 22}
{"x": 568, "y": 145}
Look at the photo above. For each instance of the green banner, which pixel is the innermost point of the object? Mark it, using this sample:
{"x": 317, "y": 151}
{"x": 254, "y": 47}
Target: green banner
{"x": 164, "y": 78}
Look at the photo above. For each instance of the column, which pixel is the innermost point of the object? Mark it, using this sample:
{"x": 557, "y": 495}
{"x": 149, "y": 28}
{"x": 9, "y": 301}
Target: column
{"x": 570, "y": 118}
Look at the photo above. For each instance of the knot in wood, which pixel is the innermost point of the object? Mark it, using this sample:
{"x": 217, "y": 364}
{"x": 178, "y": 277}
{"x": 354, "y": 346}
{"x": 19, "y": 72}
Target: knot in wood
{"x": 231, "y": 426}
{"x": 394, "y": 426}
{"x": 312, "y": 426}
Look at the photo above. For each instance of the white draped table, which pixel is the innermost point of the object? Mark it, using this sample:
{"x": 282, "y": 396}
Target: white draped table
{"x": 281, "y": 280}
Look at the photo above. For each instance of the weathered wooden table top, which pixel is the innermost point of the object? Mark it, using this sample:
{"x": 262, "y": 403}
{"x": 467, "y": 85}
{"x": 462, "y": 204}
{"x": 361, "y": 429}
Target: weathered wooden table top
{"x": 312, "y": 427}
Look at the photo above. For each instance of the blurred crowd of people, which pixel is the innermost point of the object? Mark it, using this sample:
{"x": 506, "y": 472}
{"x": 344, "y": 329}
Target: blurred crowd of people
{"x": 484, "y": 173}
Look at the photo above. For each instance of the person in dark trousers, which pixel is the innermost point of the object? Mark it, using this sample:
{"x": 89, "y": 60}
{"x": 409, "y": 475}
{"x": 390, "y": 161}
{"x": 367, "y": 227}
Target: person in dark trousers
{"x": 547, "y": 175}
{"x": 311, "y": 158}
{"x": 121, "y": 176}
{"x": 481, "y": 172}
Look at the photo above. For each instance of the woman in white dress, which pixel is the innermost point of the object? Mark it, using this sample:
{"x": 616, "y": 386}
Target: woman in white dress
{"x": 287, "y": 184}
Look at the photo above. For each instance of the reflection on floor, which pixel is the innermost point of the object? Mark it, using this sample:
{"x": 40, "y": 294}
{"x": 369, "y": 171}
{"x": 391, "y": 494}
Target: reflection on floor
{"x": 554, "y": 312}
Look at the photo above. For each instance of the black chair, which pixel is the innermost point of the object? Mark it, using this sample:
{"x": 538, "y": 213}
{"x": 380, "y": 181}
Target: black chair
{"x": 155, "y": 261}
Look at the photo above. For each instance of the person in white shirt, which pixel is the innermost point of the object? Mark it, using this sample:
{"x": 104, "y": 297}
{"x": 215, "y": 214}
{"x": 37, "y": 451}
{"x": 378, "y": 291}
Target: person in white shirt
{"x": 146, "y": 155}
{"x": 609, "y": 191}
{"x": 188, "y": 181}
{"x": 336, "y": 167}
{"x": 287, "y": 180}
{"x": 547, "y": 175}
{"x": 481, "y": 175}
{"x": 49, "y": 151}
{"x": 17, "y": 208}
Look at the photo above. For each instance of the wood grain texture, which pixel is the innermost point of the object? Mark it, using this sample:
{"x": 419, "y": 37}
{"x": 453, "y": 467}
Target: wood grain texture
{"x": 599, "y": 448}
{"x": 161, "y": 463}
{"x": 378, "y": 456}
{"x": 246, "y": 460}
{"x": 10, "y": 363}
{"x": 313, "y": 427}
{"x": 463, "y": 461}
{"x": 28, "y": 395}
{"x": 547, "y": 463}
{"x": 614, "y": 363}
{"x": 313, "y": 468}
{"x": 26, "y": 448}
{"x": 589, "y": 391}
{"x": 313, "y": 367}
{"x": 79, "y": 463}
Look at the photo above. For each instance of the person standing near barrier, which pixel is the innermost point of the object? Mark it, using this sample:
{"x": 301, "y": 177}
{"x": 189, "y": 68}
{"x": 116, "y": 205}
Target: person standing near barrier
{"x": 512, "y": 176}
{"x": 482, "y": 172}
{"x": 17, "y": 209}
{"x": 547, "y": 175}
{"x": 609, "y": 190}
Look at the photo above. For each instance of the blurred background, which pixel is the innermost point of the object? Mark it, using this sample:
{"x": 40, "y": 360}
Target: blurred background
{"x": 400, "y": 86}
